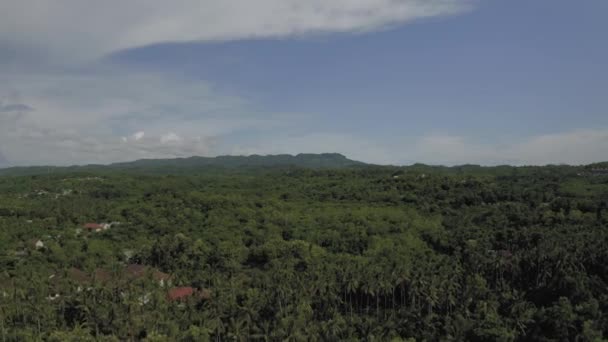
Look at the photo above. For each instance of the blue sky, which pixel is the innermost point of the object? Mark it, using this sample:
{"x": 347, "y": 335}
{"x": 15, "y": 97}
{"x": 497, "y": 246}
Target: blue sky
{"x": 439, "y": 81}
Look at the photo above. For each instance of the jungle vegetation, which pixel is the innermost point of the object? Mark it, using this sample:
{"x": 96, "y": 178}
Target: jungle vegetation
{"x": 345, "y": 252}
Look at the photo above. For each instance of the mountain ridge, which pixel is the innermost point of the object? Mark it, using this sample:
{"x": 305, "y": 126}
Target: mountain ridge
{"x": 200, "y": 163}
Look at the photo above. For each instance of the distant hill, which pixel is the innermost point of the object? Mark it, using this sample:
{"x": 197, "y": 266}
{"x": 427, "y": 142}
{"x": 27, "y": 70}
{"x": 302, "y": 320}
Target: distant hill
{"x": 325, "y": 160}
{"x": 255, "y": 163}
{"x": 201, "y": 164}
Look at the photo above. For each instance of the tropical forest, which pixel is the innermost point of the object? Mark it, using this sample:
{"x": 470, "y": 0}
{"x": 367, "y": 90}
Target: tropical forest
{"x": 303, "y": 248}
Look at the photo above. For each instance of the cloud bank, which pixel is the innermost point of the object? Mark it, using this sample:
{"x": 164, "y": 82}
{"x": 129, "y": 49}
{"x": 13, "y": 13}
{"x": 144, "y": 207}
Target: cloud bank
{"x": 581, "y": 146}
{"x": 90, "y": 28}
{"x": 109, "y": 115}
{"x": 117, "y": 115}
{"x": 85, "y": 110}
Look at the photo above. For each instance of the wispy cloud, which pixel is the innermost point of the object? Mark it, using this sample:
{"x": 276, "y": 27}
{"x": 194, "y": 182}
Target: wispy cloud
{"x": 581, "y": 146}
{"x": 94, "y": 117}
{"x": 94, "y": 112}
{"x": 15, "y": 108}
{"x": 87, "y": 29}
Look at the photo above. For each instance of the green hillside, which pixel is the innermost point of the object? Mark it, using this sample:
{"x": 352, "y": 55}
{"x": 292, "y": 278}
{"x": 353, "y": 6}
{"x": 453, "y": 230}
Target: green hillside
{"x": 202, "y": 164}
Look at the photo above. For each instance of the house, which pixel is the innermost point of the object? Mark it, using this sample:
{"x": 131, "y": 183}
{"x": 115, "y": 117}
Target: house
{"x": 36, "y": 244}
{"x": 102, "y": 276}
{"x": 93, "y": 227}
{"x": 97, "y": 227}
{"x": 185, "y": 292}
{"x": 137, "y": 271}
{"x": 53, "y": 297}
{"x": 78, "y": 276}
{"x": 180, "y": 293}
{"x": 128, "y": 253}
{"x": 73, "y": 276}
{"x": 83, "y": 280}
{"x": 162, "y": 278}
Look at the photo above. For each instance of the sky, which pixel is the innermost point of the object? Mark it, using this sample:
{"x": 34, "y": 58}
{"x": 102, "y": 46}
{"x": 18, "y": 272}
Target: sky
{"x": 383, "y": 81}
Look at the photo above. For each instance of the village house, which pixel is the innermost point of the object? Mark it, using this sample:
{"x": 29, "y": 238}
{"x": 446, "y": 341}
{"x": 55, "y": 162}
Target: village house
{"x": 133, "y": 272}
{"x": 102, "y": 276}
{"x": 137, "y": 271}
{"x": 184, "y": 292}
{"x": 98, "y": 227}
{"x": 36, "y": 244}
{"x": 79, "y": 277}
{"x": 128, "y": 254}
{"x": 85, "y": 281}
{"x": 72, "y": 276}
{"x": 180, "y": 293}
{"x": 93, "y": 227}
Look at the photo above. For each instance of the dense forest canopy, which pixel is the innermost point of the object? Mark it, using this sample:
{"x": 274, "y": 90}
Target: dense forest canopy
{"x": 285, "y": 251}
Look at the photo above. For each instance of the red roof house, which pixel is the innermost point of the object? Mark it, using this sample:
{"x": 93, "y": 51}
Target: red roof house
{"x": 180, "y": 293}
{"x": 93, "y": 226}
{"x": 183, "y": 293}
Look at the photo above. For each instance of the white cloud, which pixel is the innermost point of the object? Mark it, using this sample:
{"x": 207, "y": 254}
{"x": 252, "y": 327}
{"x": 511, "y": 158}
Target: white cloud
{"x": 451, "y": 150}
{"x": 115, "y": 115}
{"x": 575, "y": 147}
{"x": 90, "y": 28}
{"x": 138, "y": 135}
{"x": 101, "y": 115}
{"x": 170, "y": 138}
{"x": 581, "y": 146}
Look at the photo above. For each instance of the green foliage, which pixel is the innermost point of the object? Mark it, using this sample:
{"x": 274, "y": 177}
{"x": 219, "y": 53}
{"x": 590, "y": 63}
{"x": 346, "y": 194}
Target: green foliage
{"x": 278, "y": 252}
